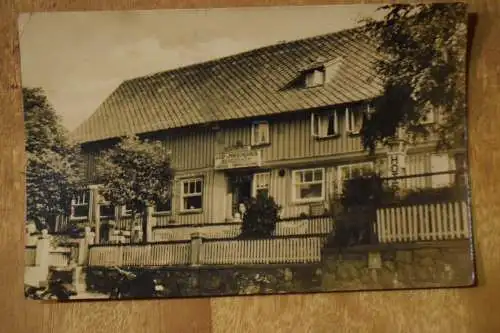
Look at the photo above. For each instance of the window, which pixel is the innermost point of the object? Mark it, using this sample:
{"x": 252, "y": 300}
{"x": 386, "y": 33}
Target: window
{"x": 260, "y": 183}
{"x": 106, "y": 209}
{"x": 192, "y": 195}
{"x": 346, "y": 172}
{"x": 315, "y": 78}
{"x": 80, "y": 205}
{"x": 308, "y": 185}
{"x": 163, "y": 207}
{"x": 324, "y": 125}
{"x": 260, "y": 133}
{"x": 353, "y": 121}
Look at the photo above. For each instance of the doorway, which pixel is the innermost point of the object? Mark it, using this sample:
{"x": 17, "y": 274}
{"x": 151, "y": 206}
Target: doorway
{"x": 241, "y": 190}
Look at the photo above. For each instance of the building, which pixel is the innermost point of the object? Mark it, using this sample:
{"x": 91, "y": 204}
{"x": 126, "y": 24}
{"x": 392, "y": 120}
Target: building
{"x": 284, "y": 119}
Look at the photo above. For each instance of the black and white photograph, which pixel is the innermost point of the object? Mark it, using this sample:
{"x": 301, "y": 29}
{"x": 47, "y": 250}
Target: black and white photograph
{"x": 245, "y": 151}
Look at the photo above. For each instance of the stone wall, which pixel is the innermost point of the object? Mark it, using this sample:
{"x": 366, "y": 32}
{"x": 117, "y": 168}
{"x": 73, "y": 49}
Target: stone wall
{"x": 236, "y": 280}
{"x": 396, "y": 266}
{"x": 437, "y": 264}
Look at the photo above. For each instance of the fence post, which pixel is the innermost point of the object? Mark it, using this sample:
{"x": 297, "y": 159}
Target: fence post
{"x": 83, "y": 246}
{"x": 96, "y": 211}
{"x": 149, "y": 223}
{"x": 82, "y": 260}
{"x": 42, "y": 255}
{"x": 196, "y": 249}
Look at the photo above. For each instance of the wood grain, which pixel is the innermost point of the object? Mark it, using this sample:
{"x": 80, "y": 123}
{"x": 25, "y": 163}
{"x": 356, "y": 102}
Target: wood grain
{"x": 452, "y": 310}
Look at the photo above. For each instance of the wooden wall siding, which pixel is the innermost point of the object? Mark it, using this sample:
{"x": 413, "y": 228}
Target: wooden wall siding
{"x": 291, "y": 137}
{"x": 417, "y": 164}
{"x": 193, "y": 149}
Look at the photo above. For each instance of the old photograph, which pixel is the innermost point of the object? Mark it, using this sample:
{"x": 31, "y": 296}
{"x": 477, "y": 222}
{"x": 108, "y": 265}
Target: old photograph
{"x": 245, "y": 151}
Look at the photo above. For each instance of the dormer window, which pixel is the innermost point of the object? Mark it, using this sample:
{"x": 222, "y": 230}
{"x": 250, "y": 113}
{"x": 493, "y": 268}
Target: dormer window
{"x": 315, "y": 78}
{"x": 260, "y": 133}
{"x": 324, "y": 125}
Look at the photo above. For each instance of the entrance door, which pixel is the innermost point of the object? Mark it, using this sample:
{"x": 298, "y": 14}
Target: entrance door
{"x": 241, "y": 188}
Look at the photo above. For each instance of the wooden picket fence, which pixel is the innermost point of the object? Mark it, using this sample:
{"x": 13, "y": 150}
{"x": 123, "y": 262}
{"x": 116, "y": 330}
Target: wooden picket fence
{"x": 212, "y": 252}
{"x": 61, "y": 256}
{"x": 263, "y": 251}
{"x": 159, "y": 254}
{"x": 426, "y": 222}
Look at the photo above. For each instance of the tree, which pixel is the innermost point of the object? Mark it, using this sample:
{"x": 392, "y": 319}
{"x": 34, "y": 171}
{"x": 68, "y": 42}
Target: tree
{"x": 136, "y": 174}
{"x": 52, "y": 165}
{"x": 259, "y": 220}
{"x": 423, "y": 65}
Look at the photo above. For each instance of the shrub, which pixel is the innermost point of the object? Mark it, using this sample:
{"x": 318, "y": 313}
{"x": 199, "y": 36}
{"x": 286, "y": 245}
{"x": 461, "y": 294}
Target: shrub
{"x": 259, "y": 220}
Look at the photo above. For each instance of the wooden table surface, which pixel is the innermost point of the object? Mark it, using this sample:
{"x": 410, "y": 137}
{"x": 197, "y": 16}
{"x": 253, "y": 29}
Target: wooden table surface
{"x": 464, "y": 310}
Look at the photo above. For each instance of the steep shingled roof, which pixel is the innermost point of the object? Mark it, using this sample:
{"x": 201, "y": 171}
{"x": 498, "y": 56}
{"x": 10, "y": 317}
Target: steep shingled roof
{"x": 244, "y": 85}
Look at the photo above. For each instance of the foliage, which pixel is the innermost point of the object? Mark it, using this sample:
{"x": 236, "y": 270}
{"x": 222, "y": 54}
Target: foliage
{"x": 356, "y": 213}
{"x": 136, "y": 173}
{"x": 423, "y": 64}
{"x": 53, "y": 167}
{"x": 365, "y": 190}
{"x": 259, "y": 220}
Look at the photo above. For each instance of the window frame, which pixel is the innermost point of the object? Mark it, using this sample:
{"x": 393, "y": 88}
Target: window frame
{"x": 322, "y": 130}
{"x": 315, "y": 78}
{"x": 313, "y": 182}
{"x": 102, "y": 201}
{"x": 350, "y": 120}
{"x": 73, "y": 204}
{"x": 196, "y": 194}
{"x": 255, "y": 184}
{"x": 340, "y": 181}
{"x": 255, "y": 125}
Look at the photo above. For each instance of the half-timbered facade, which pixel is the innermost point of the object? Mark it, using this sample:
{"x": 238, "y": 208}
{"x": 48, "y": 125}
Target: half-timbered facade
{"x": 284, "y": 119}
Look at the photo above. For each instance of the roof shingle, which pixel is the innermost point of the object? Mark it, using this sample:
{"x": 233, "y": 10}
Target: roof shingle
{"x": 239, "y": 86}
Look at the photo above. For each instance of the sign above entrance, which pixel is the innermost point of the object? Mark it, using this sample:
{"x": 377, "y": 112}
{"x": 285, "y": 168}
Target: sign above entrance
{"x": 237, "y": 158}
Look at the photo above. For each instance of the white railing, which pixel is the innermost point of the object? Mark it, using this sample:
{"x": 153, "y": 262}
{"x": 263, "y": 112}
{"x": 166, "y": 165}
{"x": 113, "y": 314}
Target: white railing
{"x": 262, "y": 251}
{"x": 440, "y": 221}
{"x": 159, "y": 254}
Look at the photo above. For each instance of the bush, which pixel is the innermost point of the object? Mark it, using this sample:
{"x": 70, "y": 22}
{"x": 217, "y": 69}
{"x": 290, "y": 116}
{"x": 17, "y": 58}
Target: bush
{"x": 259, "y": 220}
{"x": 354, "y": 210}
